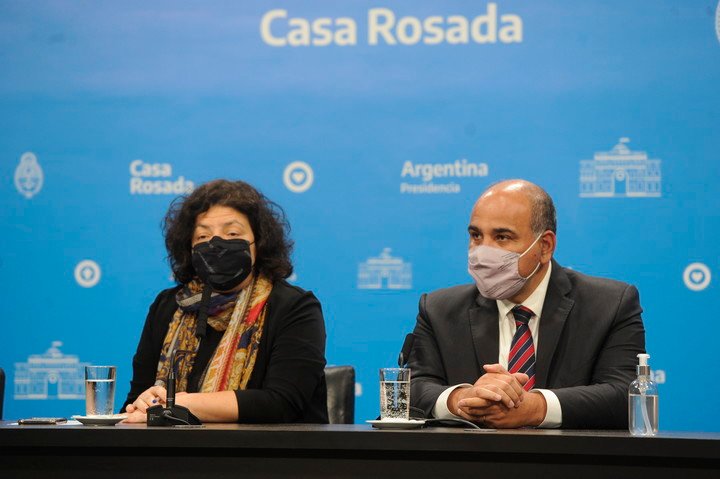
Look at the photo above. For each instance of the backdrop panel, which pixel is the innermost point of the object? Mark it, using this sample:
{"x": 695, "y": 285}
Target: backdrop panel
{"x": 375, "y": 125}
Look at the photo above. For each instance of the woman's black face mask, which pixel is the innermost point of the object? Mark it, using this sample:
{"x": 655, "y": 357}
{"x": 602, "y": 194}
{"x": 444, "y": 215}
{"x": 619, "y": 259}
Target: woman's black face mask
{"x": 221, "y": 263}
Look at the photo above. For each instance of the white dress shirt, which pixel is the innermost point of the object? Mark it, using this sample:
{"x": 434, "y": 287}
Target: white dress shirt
{"x": 553, "y": 416}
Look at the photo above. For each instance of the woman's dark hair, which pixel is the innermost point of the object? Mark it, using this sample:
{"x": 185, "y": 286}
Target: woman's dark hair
{"x": 267, "y": 220}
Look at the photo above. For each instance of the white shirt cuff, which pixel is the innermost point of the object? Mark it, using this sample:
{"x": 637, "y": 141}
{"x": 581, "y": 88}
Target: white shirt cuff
{"x": 441, "y": 411}
{"x": 553, "y": 416}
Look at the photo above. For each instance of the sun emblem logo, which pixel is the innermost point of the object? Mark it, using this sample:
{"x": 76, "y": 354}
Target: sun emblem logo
{"x": 28, "y": 176}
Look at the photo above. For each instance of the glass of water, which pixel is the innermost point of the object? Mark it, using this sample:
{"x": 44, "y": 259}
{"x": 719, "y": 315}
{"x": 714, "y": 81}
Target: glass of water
{"x": 395, "y": 394}
{"x": 99, "y": 390}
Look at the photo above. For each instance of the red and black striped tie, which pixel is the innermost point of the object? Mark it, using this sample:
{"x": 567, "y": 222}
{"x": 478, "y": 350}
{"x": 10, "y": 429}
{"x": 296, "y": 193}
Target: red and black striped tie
{"x": 522, "y": 351}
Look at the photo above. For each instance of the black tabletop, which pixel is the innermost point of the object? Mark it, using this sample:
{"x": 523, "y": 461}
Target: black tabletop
{"x": 295, "y": 447}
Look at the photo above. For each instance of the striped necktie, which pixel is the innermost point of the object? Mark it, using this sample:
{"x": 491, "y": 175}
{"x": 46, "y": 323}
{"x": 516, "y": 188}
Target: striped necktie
{"x": 522, "y": 351}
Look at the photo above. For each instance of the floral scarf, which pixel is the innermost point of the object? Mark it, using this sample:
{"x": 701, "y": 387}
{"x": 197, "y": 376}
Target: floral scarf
{"x": 241, "y": 315}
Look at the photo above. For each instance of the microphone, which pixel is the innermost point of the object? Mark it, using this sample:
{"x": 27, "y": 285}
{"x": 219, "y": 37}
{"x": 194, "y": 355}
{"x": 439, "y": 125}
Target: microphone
{"x": 405, "y": 351}
{"x": 171, "y": 414}
{"x": 170, "y": 396}
{"x": 403, "y": 357}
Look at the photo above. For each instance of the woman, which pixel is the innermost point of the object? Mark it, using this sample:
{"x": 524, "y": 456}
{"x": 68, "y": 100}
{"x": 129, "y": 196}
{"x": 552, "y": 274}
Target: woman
{"x": 249, "y": 347}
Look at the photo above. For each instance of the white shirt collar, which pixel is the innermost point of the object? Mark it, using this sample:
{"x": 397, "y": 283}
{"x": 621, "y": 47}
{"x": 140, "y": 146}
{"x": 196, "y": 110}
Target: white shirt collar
{"x": 535, "y": 301}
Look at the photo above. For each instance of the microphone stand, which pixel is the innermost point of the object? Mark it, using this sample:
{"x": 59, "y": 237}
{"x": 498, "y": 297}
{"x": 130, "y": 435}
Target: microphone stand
{"x": 407, "y": 346}
{"x": 171, "y": 414}
{"x": 403, "y": 359}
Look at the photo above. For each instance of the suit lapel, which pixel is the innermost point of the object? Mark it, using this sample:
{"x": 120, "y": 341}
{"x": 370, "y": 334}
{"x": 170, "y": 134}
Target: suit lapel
{"x": 485, "y": 331}
{"x": 554, "y": 314}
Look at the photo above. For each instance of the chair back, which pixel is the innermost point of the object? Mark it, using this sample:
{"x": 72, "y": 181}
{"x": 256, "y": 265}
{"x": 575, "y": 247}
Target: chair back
{"x": 2, "y": 391}
{"x": 340, "y": 382}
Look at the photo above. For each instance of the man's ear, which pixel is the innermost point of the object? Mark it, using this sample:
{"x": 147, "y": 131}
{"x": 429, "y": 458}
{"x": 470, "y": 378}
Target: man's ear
{"x": 548, "y": 241}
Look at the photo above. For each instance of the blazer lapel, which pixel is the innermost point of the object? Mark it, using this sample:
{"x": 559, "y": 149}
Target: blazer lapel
{"x": 485, "y": 332}
{"x": 552, "y": 321}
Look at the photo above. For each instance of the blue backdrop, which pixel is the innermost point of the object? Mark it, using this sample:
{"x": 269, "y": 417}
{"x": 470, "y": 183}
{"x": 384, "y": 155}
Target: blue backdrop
{"x": 375, "y": 125}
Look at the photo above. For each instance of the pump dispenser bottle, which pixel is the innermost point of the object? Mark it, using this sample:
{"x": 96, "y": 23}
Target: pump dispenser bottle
{"x": 643, "y": 401}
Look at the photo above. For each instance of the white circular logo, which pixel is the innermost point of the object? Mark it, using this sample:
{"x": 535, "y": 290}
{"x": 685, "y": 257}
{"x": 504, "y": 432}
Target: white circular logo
{"x": 697, "y": 276}
{"x": 87, "y": 273}
{"x": 28, "y": 175}
{"x": 298, "y": 177}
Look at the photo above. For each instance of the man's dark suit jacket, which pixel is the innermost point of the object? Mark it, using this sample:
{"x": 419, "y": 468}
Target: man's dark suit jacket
{"x": 590, "y": 333}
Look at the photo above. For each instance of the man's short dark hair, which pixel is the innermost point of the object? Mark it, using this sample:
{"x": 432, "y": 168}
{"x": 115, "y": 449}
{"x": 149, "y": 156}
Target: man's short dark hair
{"x": 542, "y": 215}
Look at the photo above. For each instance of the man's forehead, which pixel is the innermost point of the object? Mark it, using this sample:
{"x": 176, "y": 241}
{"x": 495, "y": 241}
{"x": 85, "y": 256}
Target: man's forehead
{"x": 505, "y": 201}
{"x": 504, "y": 209}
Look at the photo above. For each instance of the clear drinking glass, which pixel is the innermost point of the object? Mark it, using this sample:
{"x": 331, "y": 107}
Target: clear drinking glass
{"x": 99, "y": 390}
{"x": 395, "y": 394}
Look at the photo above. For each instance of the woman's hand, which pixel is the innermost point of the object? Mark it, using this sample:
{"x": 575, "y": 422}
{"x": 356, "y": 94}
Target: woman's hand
{"x": 135, "y": 417}
{"x": 148, "y": 398}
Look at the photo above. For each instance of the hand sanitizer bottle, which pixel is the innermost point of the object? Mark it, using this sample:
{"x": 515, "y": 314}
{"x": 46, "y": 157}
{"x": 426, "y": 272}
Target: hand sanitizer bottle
{"x": 643, "y": 401}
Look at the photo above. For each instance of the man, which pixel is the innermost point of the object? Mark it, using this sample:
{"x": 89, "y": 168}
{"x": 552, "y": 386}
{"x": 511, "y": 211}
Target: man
{"x": 530, "y": 343}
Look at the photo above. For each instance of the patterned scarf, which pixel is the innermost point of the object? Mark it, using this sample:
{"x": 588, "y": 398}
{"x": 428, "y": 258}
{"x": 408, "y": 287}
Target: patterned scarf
{"x": 241, "y": 315}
